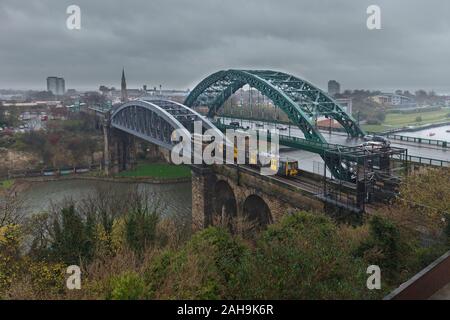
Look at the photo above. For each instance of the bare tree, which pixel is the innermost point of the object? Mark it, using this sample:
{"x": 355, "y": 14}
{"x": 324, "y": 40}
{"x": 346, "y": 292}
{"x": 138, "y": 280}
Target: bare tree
{"x": 11, "y": 209}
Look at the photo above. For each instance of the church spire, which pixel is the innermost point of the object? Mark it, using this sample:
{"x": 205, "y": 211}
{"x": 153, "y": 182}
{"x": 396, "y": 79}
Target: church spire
{"x": 124, "y": 87}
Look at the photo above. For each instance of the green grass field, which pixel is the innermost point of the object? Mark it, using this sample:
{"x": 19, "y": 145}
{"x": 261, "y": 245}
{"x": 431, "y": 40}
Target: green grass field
{"x": 158, "y": 170}
{"x": 397, "y": 120}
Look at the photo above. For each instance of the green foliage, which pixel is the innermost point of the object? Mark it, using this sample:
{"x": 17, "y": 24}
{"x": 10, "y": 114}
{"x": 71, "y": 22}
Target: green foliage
{"x": 33, "y": 278}
{"x": 212, "y": 259}
{"x": 385, "y": 246}
{"x": 127, "y": 286}
{"x": 140, "y": 229}
{"x": 302, "y": 257}
{"x": 158, "y": 170}
{"x": 414, "y": 110}
{"x": 10, "y": 238}
{"x": 6, "y": 184}
{"x": 73, "y": 238}
{"x": 64, "y": 143}
{"x": 435, "y": 195}
{"x": 46, "y": 279}
{"x": 418, "y": 119}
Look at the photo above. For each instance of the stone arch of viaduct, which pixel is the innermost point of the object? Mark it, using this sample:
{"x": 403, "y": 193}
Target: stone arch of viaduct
{"x": 226, "y": 194}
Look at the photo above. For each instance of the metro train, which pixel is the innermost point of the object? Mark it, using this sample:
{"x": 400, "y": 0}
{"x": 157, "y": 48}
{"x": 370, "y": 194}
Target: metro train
{"x": 284, "y": 166}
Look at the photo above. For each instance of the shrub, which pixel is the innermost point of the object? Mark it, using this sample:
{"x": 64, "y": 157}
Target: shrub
{"x": 302, "y": 257}
{"x": 10, "y": 238}
{"x": 207, "y": 267}
{"x": 73, "y": 238}
{"x": 140, "y": 229}
{"x": 46, "y": 279}
{"x": 385, "y": 247}
{"x": 127, "y": 286}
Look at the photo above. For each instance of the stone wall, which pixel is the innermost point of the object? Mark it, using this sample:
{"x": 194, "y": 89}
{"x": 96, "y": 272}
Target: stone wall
{"x": 280, "y": 198}
{"x": 202, "y": 184}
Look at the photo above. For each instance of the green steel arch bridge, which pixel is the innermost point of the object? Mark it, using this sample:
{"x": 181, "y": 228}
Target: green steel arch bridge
{"x": 301, "y": 101}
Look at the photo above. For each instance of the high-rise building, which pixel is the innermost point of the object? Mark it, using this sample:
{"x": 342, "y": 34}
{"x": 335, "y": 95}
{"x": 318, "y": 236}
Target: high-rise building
{"x": 56, "y": 85}
{"x": 61, "y": 86}
{"x": 124, "y": 87}
{"x": 51, "y": 84}
{"x": 333, "y": 87}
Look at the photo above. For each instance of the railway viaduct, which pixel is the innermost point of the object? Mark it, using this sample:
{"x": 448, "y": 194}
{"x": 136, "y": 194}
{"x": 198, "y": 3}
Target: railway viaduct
{"x": 233, "y": 195}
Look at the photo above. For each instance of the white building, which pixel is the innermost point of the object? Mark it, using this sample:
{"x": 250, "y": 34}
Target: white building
{"x": 393, "y": 99}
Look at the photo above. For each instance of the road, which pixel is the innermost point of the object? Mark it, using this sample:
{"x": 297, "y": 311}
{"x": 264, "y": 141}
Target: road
{"x": 312, "y": 162}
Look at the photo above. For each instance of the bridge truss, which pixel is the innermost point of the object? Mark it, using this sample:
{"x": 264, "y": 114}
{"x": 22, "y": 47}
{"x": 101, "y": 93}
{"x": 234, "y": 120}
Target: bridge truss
{"x": 155, "y": 120}
{"x": 299, "y": 99}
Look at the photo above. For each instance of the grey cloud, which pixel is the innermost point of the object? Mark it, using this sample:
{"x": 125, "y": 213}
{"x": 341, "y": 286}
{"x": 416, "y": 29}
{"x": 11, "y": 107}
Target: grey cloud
{"x": 177, "y": 43}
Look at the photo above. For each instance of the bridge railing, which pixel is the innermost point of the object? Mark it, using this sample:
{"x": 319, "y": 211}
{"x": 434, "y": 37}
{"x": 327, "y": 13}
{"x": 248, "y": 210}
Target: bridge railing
{"x": 427, "y": 161}
{"x": 313, "y": 146}
{"x": 433, "y": 142}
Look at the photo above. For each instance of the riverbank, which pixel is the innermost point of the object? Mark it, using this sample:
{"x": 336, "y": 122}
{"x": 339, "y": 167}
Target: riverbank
{"x": 161, "y": 176}
{"x": 419, "y": 128}
{"x": 400, "y": 122}
{"x": 149, "y": 180}
{"x": 21, "y": 185}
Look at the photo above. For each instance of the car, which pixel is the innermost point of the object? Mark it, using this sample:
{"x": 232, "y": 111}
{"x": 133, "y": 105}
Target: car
{"x": 373, "y": 144}
{"x": 381, "y": 139}
{"x": 374, "y": 138}
{"x": 234, "y": 124}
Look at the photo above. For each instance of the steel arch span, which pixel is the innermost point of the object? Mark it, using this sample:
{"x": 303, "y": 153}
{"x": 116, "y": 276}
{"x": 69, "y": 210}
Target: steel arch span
{"x": 155, "y": 120}
{"x": 299, "y": 99}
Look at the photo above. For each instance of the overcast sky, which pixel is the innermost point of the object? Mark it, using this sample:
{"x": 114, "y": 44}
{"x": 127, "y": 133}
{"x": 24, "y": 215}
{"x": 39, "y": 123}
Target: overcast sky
{"x": 177, "y": 43}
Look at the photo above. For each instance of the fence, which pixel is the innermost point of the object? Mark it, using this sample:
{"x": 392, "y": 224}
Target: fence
{"x": 429, "y": 161}
{"x": 439, "y": 143}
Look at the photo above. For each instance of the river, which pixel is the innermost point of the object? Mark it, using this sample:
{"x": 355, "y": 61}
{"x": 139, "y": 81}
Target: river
{"x": 440, "y": 133}
{"x": 174, "y": 199}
